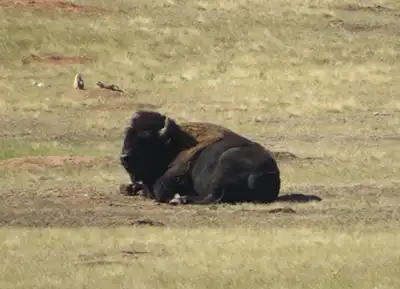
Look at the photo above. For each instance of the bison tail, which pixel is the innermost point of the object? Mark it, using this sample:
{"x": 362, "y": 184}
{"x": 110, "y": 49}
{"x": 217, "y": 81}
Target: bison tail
{"x": 264, "y": 186}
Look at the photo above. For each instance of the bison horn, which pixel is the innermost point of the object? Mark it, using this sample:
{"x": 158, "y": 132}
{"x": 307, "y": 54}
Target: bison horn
{"x": 163, "y": 132}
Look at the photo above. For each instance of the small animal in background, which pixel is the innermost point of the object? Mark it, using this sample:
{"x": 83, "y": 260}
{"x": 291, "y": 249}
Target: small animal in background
{"x": 112, "y": 87}
{"x": 78, "y": 81}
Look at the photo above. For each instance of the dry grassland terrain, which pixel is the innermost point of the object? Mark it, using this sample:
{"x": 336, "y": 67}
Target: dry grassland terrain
{"x": 319, "y": 79}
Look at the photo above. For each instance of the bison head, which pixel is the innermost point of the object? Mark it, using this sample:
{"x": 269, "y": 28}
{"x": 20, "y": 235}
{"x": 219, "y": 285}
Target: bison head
{"x": 146, "y": 150}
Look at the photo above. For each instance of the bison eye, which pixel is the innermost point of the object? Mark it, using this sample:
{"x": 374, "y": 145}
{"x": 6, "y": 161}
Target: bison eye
{"x": 144, "y": 134}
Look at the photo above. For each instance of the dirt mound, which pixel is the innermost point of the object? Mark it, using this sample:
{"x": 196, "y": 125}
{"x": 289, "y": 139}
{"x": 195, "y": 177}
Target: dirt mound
{"x": 54, "y": 59}
{"x": 50, "y": 4}
{"x": 363, "y": 8}
{"x": 48, "y": 161}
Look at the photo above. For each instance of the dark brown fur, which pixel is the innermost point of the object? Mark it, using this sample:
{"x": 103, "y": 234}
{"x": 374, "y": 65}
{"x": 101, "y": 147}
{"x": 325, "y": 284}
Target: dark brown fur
{"x": 195, "y": 137}
{"x": 192, "y": 139}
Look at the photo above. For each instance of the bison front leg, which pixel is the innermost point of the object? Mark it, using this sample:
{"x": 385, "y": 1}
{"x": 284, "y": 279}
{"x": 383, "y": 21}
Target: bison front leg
{"x": 130, "y": 189}
{"x": 147, "y": 192}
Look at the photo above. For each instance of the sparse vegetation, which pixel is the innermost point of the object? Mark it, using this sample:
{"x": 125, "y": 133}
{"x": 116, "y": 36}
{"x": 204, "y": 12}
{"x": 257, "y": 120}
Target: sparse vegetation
{"x": 319, "y": 79}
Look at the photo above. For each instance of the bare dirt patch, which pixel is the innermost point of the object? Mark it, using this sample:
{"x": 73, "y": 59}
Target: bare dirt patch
{"x": 50, "y": 4}
{"x": 75, "y": 206}
{"x": 49, "y": 161}
{"x": 355, "y": 27}
{"x": 55, "y": 59}
{"x": 364, "y": 8}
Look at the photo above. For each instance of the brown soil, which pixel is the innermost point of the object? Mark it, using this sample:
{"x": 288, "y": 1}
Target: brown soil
{"x": 358, "y": 7}
{"x": 72, "y": 203}
{"x": 54, "y": 59}
{"x": 50, "y": 4}
{"x": 74, "y": 206}
{"x": 48, "y": 161}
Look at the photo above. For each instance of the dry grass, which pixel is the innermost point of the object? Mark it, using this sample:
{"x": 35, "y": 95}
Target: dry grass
{"x": 317, "y": 78}
{"x": 198, "y": 258}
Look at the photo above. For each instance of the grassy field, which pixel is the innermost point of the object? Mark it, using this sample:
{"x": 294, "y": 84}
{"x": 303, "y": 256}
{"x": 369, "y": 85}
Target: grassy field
{"x": 320, "y": 79}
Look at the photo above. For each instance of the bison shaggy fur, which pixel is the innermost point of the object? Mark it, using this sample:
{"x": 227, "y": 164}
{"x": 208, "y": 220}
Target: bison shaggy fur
{"x": 204, "y": 162}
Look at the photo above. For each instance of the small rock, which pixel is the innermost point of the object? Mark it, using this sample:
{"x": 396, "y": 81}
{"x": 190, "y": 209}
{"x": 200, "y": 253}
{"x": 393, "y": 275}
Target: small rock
{"x": 258, "y": 119}
{"x": 43, "y": 85}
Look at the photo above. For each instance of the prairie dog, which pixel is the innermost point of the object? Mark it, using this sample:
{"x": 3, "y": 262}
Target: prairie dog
{"x": 78, "y": 81}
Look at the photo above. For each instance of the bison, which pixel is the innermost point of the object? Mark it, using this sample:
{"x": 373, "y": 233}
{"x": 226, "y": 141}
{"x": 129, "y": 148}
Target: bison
{"x": 204, "y": 162}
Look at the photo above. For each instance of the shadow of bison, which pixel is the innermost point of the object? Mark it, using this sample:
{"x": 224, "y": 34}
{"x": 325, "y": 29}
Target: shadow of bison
{"x": 202, "y": 162}
{"x": 298, "y": 198}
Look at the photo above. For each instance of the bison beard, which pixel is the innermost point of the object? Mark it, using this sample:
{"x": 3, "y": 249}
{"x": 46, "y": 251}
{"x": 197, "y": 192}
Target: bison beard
{"x": 205, "y": 162}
